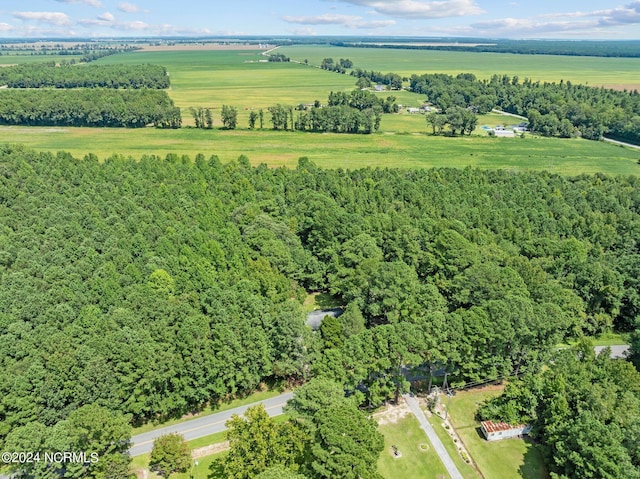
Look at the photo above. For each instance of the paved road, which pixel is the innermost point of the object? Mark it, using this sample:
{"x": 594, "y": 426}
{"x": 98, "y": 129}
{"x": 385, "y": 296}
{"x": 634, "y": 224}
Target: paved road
{"x": 433, "y": 437}
{"x": 203, "y": 426}
{"x": 617, "y": 352}
{"x": 510, "y": 114}
{"x": 616, "y": 142}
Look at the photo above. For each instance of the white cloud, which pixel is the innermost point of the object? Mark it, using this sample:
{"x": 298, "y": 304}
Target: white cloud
{"x": 327, "y": 19}
{"x": 50, "y": 18}
{"x": 108, "y": 21}
{"x": 596, "y": 22}
{"x": 420, "y": 8}
{"x": 92, "y": 3}
{"x": 5, "y": 27}
{"x": 350, "y": 21}
{"x": 127, "y": 7}
{"x": 628, "y": 14}
{"x": 129, "y": 26}
{"x": 106, "y": 17}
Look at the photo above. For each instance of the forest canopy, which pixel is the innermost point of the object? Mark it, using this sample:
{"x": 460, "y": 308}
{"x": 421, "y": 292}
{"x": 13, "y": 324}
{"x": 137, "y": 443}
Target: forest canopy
{"x": 151, "y": 287}
{"x": 96, "y": 107}
{"x": 40, "y": 75}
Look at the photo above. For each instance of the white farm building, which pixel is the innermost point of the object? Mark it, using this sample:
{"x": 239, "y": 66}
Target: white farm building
{"x": 494, "y": 431}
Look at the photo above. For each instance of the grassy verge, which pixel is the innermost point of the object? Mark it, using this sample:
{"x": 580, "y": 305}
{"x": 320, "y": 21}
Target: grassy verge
{"x": 467, "y": 471}
{"x": 315, "y": 301}
{"x": 257, "y": 396}
{"x": 142, "y": 461}
{"x": 510, "y": 458}
{"x": 418, "y": 457}
{"x": 201, "y": 472}
{"x": 606, "y": 339}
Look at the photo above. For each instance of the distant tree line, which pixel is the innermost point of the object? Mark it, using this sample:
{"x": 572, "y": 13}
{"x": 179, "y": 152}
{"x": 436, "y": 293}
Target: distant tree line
{"x": 357, "y": 112}
{"x": 363, "y": 100}
{"x": 339, "y": 119}
{"x": 456, "y": 118}
{"x": 608, "y": 48}
{"x": 39, "y": 75}
{"x": 554, "y": 109}
{"x": 392, "y": 80}
{"x": 340, "y": 66}
{"x": 96, "y": 55}
{"x": 202, "y": 117}
{"x": 278, "y": 57}
{"x": 100, "y": 107}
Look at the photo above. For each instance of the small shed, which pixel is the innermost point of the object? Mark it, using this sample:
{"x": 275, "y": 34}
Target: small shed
{"x": 412, "y": 110}
{"x": 494, "y": 431}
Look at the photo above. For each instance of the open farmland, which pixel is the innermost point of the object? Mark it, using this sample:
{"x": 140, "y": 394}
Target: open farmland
{"x": 595, "y": 71}
{"x": 278, "y": 148}
{"x": 8, "y": 59}
{"x": 240, "y": 79}
{"x": 243, "y": 79}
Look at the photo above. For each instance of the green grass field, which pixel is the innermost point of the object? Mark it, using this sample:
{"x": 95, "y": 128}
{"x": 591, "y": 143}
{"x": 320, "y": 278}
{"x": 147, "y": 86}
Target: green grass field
{"x": 509, "y": 458}
{"x": 596, "y": 71}
{"x": 467, "y": 471}
{"x": 418, "y": 459}
{"x": 199, "y": 472}
{"x": 238, "y": 78}
{"x": 277, "y": 148}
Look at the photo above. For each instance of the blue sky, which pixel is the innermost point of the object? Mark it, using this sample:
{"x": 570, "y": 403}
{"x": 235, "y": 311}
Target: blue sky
{"x": 583, "y": 19}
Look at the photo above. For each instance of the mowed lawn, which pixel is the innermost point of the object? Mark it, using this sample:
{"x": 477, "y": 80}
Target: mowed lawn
{"x": 509, "y": 458}
{"x": 595, "y": 71}
{"x": 278, "y": 148}
{"x": 418, "y": 460}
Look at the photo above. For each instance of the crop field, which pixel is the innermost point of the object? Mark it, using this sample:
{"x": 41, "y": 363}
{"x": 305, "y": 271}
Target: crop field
{"x": 242, "y": 79}
{"x": 594, "y": 71}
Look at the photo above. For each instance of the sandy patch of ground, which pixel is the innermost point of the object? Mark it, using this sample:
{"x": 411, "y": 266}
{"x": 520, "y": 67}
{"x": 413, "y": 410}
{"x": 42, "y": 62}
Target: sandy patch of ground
{"x": 392, "y": 414}
{"x": 210, "y": 449}
{"x": 203, "y": 47}
{"x": 623, "y": 86}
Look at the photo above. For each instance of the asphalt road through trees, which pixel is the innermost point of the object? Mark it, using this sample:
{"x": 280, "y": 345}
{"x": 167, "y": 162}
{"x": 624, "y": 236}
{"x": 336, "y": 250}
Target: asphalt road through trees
{"x": 203, "y": 426}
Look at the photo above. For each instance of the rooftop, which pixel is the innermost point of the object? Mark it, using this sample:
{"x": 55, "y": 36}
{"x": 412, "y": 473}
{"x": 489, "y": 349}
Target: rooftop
{"x": 491, "y": 426}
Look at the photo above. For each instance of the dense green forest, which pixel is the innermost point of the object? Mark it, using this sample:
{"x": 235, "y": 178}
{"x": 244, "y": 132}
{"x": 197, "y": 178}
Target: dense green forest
{"x": 585, "y": 413}
{"x": 39, "y": 75}
{"x": 554, "y": 109}
{"x": 100, "y": 107}
{"x": 149, "y": 288}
